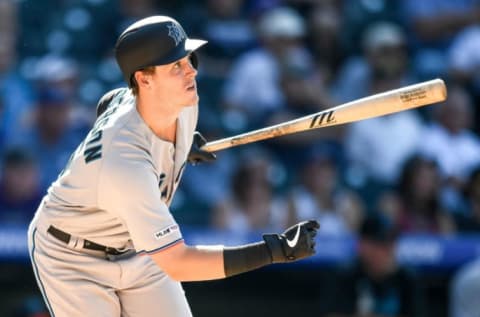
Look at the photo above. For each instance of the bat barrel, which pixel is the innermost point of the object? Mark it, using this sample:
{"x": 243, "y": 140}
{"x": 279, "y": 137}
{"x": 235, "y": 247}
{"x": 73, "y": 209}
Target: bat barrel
{"x": 392, "y": 101}
{"x": 425, "y": 93}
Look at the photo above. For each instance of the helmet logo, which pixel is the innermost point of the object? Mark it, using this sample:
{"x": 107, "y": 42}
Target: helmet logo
{"x": 175, "y": 33}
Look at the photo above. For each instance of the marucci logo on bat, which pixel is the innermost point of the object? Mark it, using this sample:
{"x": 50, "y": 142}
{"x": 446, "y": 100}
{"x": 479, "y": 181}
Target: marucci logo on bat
{"x": 323, "y": 118}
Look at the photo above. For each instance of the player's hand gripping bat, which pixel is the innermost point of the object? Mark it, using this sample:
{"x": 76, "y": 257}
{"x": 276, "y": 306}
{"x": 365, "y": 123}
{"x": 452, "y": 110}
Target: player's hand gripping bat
{"x": 388, "y": 102}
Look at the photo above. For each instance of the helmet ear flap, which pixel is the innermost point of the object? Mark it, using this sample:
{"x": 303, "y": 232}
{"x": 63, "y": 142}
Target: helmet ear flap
{"x": 194, "y": 59}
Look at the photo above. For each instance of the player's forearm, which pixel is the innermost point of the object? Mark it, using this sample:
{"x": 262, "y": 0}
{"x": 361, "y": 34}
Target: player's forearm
{"x": 192, "y": 263}
{"x": 214, "y": 262}
{"x": 200, "y": 263}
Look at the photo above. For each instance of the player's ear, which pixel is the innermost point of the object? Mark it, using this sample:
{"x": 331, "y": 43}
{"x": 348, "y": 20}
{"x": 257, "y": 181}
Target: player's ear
{"x": 142, "y": 79}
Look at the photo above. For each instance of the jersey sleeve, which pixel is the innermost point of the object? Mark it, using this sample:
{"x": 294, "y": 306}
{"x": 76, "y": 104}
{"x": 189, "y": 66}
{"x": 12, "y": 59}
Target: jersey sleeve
{"x": 128, "y": 188}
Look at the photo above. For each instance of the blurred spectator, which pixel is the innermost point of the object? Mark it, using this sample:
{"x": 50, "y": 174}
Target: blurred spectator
{"x": 383, "y": 64}
{"x": 62, "y": 73}
{"x": 324, "y": 37}
{"x": 358, "y": 15}
{"x": 230, "y": 32}
{"x": 464, "y": 65}
{"x": 16, "y": 96}
{"x": 319, "y": 195}
{"x": 449, "y": 140}
{"x": 468, "y": 218}
{"x": 207, "y": 184}
{"x": 464, "y": 290}
{"x": 432, "y": 25}
{"x": 226, "y": 26}
{"x": 52, "y": 137}
{"x": 253, "y": 84}
{"x": 133, "y": 10}
{"x": 377, "y": 286}
{"x": 419, "y": 208}
{"x": 82, "y": 29}
{"x": 304, "y": 88}
{"x": 376, "y": 148}
{"x": 464, "y": 57}
{"x": 305, "y": 92}
{"x": 20, "y": 191}
{"x": 58, "y": 71}
{"x": 253, "y": 204}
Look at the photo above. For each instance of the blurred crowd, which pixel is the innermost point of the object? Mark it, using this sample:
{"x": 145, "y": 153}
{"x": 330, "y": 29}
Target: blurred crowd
{"x": 267, "y": 61}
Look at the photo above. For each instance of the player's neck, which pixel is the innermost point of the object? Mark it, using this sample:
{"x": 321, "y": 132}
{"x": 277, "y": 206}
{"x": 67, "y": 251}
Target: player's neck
{"x": 159, "y": 119}
{"x": 168, "y": 133}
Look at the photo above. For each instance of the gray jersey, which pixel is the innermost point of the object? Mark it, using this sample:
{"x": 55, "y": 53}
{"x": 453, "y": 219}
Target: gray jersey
{"x": 119, "y": 182}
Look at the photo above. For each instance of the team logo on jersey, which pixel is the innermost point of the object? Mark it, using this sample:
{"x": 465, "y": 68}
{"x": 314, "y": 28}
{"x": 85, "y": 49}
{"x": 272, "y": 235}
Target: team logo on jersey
{"x": 165, "y": 232}
{"x": 176, "y": 33}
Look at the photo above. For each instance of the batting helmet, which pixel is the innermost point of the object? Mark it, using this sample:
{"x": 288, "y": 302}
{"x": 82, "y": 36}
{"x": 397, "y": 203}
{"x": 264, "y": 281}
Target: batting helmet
{"x": 156, "y": 40}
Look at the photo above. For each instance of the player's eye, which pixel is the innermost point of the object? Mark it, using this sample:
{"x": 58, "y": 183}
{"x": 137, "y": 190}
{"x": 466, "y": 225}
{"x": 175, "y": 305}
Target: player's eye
{"x": 177, "y": 65}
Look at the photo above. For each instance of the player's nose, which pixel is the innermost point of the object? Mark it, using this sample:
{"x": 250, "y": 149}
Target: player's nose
{"x": 190, "y": 70}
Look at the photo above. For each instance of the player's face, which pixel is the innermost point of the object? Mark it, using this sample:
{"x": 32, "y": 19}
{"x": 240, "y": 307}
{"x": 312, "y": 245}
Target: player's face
{"x": 175, "y": 83}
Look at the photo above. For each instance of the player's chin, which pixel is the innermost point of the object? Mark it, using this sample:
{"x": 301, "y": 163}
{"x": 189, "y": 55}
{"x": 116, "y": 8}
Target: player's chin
{"x": 192, "y": 98}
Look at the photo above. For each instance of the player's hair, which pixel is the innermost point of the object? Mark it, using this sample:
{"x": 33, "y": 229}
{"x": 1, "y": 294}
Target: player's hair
{"x": 149, "y": 70}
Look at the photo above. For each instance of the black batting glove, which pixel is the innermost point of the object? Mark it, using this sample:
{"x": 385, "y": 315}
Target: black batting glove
{"x": 196, "y": 155}
{"x": 297, "y": 242}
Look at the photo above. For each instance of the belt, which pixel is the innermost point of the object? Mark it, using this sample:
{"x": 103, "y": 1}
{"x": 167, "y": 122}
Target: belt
{"x": 87, "y": 244}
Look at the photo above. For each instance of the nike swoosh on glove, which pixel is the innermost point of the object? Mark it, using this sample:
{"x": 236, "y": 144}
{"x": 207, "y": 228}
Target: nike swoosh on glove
{"x": 295, "y": 243}
{"x": 196, "y": 155}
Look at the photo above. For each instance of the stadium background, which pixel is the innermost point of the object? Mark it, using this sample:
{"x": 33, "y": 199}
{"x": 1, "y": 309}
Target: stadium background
{"x": 267, "y": 61}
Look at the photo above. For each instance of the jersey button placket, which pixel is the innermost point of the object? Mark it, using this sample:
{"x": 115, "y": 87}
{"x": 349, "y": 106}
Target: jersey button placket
{"x": 172, "y": 178}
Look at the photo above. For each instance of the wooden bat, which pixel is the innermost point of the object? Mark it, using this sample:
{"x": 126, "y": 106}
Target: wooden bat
{"x": 377, "y": 105}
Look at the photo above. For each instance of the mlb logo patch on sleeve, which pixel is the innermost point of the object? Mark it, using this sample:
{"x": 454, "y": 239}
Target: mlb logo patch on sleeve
{"x": 166, "y": 231}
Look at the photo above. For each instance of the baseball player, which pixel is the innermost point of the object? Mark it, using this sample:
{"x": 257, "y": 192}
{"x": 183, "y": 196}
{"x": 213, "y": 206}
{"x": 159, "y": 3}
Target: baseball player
{"x": 103, "y": 241}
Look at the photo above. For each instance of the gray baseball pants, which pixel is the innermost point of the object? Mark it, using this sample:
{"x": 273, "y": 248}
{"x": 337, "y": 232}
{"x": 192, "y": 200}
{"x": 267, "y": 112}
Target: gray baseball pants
{"x": 78, "y": 282}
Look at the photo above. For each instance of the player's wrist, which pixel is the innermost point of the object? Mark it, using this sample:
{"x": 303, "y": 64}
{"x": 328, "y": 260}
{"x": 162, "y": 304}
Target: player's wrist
{"x": 274, "y": 243}
{"x": 245, "y": 258}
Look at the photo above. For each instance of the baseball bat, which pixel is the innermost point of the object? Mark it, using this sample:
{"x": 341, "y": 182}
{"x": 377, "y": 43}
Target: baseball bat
{"x": 377, "y": 105}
